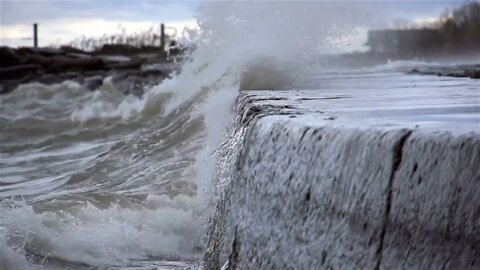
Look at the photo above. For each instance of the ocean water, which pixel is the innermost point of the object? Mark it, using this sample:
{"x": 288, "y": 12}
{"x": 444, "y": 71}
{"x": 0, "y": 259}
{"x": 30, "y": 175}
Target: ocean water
{"x": 98, "y": 180}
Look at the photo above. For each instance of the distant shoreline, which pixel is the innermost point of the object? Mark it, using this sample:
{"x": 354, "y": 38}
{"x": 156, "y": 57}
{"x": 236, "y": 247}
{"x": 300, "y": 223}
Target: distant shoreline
{"x": 131, "y": 68}
{"x": 452, "y": 65}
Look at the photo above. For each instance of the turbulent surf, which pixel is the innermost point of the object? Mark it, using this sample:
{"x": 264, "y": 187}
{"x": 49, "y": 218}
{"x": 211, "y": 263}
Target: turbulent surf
{"x": 99, "y": 179}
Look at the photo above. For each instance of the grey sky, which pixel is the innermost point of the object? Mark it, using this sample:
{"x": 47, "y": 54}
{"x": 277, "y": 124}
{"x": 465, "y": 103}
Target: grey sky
{"x": 57, "y": 17}
{"x": 27, "y": 11}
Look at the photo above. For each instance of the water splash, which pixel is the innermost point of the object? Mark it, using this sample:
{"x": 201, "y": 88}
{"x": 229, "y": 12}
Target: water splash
{"x": 242, "y": 45}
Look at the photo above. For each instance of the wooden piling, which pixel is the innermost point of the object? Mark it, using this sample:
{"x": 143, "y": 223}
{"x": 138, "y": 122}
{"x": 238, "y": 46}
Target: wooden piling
{"x": 35, "y": 35}
{"x": 162, "y": 37}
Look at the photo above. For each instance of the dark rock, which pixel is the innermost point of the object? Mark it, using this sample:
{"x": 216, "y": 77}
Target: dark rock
{"x": 8, "y": 86}
{"x": 50, "y": 79}
{"x": 115, "y": 49}
{"x": 93, "y": 82}
{"x": 174, "y": 48}
{"x": 113, "y": 59}
{"x": 465, "y": 71}
{"x": 124, "y": 49}
{"x": 38, "y": 60}
{"x": 39, "y": 51}
{"x": 474, "y": 74}
{"x": 9, "y": 58}
{"x": 135, "y": 81}
{"x": 129, "y": 71}
{"x": 71, "y": 50}
{"x": 134, "y": 63}
{"x": 77, "y": 64}
{"x": 11, "y": 84}
{"x": 78, "y": 55}
{"x": 61, "y": 58}
{"x": 92, "y": 73}
{"x": 70, "y": 75}
{"x": 414, "y": 71}
{"x": 18, "y": 72}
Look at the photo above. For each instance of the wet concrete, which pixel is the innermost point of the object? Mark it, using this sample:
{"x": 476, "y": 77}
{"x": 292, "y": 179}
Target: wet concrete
{"x": 354, "y": 179}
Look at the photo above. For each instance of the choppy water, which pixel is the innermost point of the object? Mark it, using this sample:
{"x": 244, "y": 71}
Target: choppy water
{"x": 99, "y": 192}
{"x": 100, "y": 180}
{"x": 82, "y": 190}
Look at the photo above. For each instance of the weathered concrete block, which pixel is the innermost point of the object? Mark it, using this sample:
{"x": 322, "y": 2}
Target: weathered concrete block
{"x": 309, "y": 192}
{"x": 307, "y": 196}
{"x": 434, "y": 218}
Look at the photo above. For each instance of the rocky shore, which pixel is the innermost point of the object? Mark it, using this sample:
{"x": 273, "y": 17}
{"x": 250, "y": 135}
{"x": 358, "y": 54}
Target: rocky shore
{"x": 443, "y": 63}
{"x": 468, "y": 71}
{"x": 131, "y": 69}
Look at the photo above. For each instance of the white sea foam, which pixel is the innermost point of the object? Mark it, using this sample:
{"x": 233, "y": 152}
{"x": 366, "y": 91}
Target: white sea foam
{"x": 242, "y": 45}
{"x": 162, "y": 227}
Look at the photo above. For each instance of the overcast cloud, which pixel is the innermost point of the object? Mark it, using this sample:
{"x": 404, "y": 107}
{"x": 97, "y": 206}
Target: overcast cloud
{"x": 27, "y": 11}
{"x": 63, "y": 20}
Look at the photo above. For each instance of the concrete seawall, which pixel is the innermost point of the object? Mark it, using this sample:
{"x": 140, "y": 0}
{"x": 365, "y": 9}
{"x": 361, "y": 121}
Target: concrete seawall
{"x": 308, "y": 193}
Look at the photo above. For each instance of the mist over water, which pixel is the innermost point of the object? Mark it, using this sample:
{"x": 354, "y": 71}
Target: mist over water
{"x": 102, "y": 179}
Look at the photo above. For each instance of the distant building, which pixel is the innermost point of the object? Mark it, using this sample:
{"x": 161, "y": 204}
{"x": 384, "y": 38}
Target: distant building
{"x": 409, "y": 42}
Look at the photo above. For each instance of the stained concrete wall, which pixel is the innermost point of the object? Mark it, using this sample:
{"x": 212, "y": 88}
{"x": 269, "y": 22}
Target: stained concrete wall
{"x": 309, "y": 196}
{"x": 434, "y": 220}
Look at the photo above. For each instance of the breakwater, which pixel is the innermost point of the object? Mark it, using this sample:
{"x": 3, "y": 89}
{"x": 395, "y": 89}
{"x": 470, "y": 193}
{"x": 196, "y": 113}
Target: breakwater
{"x": 129, "y": 69}
{"x": 335, "y": 189}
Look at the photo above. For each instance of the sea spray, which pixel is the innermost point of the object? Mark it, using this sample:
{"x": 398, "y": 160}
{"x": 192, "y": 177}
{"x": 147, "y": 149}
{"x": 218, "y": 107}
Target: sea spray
{"x": 146, "y": 178}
